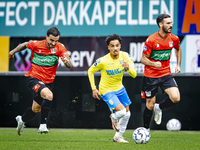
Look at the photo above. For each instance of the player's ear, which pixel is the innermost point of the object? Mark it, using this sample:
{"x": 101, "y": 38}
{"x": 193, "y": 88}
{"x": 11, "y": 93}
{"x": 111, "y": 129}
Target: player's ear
{"x": 160, "y": 24}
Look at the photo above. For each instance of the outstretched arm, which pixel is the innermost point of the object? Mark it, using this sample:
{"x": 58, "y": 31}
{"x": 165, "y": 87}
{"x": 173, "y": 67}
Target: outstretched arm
{"x": 18, "y": 49}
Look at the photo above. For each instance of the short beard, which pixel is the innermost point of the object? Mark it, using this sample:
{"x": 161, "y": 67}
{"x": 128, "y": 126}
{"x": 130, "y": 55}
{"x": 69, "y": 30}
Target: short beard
{"x": 50, "y": 46}
{"x": 166, "y": 30}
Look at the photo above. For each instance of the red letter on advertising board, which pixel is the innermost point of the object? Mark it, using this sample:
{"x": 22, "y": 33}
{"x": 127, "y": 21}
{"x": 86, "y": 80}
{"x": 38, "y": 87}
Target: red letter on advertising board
{"x": 190, "y": 18}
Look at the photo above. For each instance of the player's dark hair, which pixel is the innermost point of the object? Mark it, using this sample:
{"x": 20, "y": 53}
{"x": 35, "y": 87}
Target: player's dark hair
{"x": 161, "y": 17}
{"x": 113, "y": 37}
{"x": 53, "y": 31}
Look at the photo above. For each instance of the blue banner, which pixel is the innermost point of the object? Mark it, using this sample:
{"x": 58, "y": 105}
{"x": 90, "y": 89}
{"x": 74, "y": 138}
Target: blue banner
{"x": 188, "y": 17}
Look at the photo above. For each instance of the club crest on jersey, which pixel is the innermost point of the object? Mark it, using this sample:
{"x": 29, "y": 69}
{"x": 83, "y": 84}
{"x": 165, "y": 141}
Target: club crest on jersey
{"x": 121, "y": 62}
{"x": 170, "y": 44}
{"x": 158, "y": 45}
{"x": 53, "y": 50}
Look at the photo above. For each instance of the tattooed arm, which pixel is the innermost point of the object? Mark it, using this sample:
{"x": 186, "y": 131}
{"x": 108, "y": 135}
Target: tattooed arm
{"x": 17, "y": 49}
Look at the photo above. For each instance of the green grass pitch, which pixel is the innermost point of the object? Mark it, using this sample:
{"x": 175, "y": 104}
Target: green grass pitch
{"x": 77, "y": 139}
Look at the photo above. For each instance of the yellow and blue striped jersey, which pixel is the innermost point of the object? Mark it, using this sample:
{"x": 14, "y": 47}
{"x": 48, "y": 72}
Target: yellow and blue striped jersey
{"x": 111, "y": 72}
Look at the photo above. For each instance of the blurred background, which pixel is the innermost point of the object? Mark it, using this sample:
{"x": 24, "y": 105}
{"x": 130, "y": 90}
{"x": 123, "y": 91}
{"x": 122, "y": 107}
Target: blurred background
{"x": 84, "y": 25}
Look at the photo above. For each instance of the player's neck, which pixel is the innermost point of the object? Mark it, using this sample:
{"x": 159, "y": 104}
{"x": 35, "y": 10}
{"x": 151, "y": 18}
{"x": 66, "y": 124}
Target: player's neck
{"x": 162, "y": 33}
{"x": 45, "y": 42}
{"x": 114, "y": 56}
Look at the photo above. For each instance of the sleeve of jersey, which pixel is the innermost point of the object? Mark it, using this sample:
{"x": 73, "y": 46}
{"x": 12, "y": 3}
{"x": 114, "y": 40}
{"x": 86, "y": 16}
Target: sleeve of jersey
{"x": 94, "y": 68}
{"x": 147, "y": 48}
{"x": 31, "y": 44}
{"x": 64, "y": 51}
{"x": 177, "y": 43}
{"x": 132, "y": 72}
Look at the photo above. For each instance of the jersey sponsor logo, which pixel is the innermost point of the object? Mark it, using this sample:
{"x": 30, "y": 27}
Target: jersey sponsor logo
{"x": 96, "y": 62}
{"x": 33, "y": 41}
{"x": 115, "y": 71}
{"x": 158, "y": 45}
{"x": 145, "y": 48}
{"x": 36, "y": 87}
{"x": 160, "y": 55}
{"x": 170, "y": 44}
{"x": 45, "y": 60}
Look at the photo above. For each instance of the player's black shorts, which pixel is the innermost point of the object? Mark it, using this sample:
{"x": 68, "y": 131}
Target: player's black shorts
{"x": 36, "y": 86}
{"x": 150, "y": 85}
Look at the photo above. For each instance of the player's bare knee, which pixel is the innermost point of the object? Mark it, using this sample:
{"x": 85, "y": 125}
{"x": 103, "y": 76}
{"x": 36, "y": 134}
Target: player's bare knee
{"x": 150, "y": 106}
{"x": 49, "y": 96}
{"x": 175, "y": 99}
{"x": 36, "y": 110}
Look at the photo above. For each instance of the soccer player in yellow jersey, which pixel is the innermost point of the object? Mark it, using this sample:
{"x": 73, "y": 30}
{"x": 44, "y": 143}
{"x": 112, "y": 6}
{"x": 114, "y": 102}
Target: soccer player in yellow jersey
{"x": 112, "y": 67}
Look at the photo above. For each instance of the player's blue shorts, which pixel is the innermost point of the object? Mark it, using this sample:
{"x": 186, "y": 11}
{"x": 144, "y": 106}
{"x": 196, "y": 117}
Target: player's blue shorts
{"x": 114, "y": 98}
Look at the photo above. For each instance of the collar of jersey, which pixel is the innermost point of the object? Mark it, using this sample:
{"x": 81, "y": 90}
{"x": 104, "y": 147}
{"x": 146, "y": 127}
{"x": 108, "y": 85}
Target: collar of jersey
{"x": 164, "y": 38}
{"x": 45, "y": 43}
{"x": 117, "y": 58}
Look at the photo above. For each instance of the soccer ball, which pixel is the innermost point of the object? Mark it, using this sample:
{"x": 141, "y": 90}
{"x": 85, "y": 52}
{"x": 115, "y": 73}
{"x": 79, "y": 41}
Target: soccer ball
{"x": 173, "y": 125}
{"x": 141, "y": 135}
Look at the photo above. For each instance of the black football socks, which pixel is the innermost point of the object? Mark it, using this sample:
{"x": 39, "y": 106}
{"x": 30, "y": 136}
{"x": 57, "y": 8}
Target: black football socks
{"x": 147, "y": 117}
{"x": 45, "y": 110}
{"x": 29, "y": 114}
{"x": 166, "y": 103}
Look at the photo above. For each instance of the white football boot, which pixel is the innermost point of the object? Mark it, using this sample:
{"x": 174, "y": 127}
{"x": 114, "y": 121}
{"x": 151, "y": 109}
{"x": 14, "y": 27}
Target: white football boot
{"x": 43, "y": 129}
{"x": 119, "y": 139}
{"x": 115, "y": 124}
{"x": 158, "y": 114}
{"x": 20, "y": 125}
